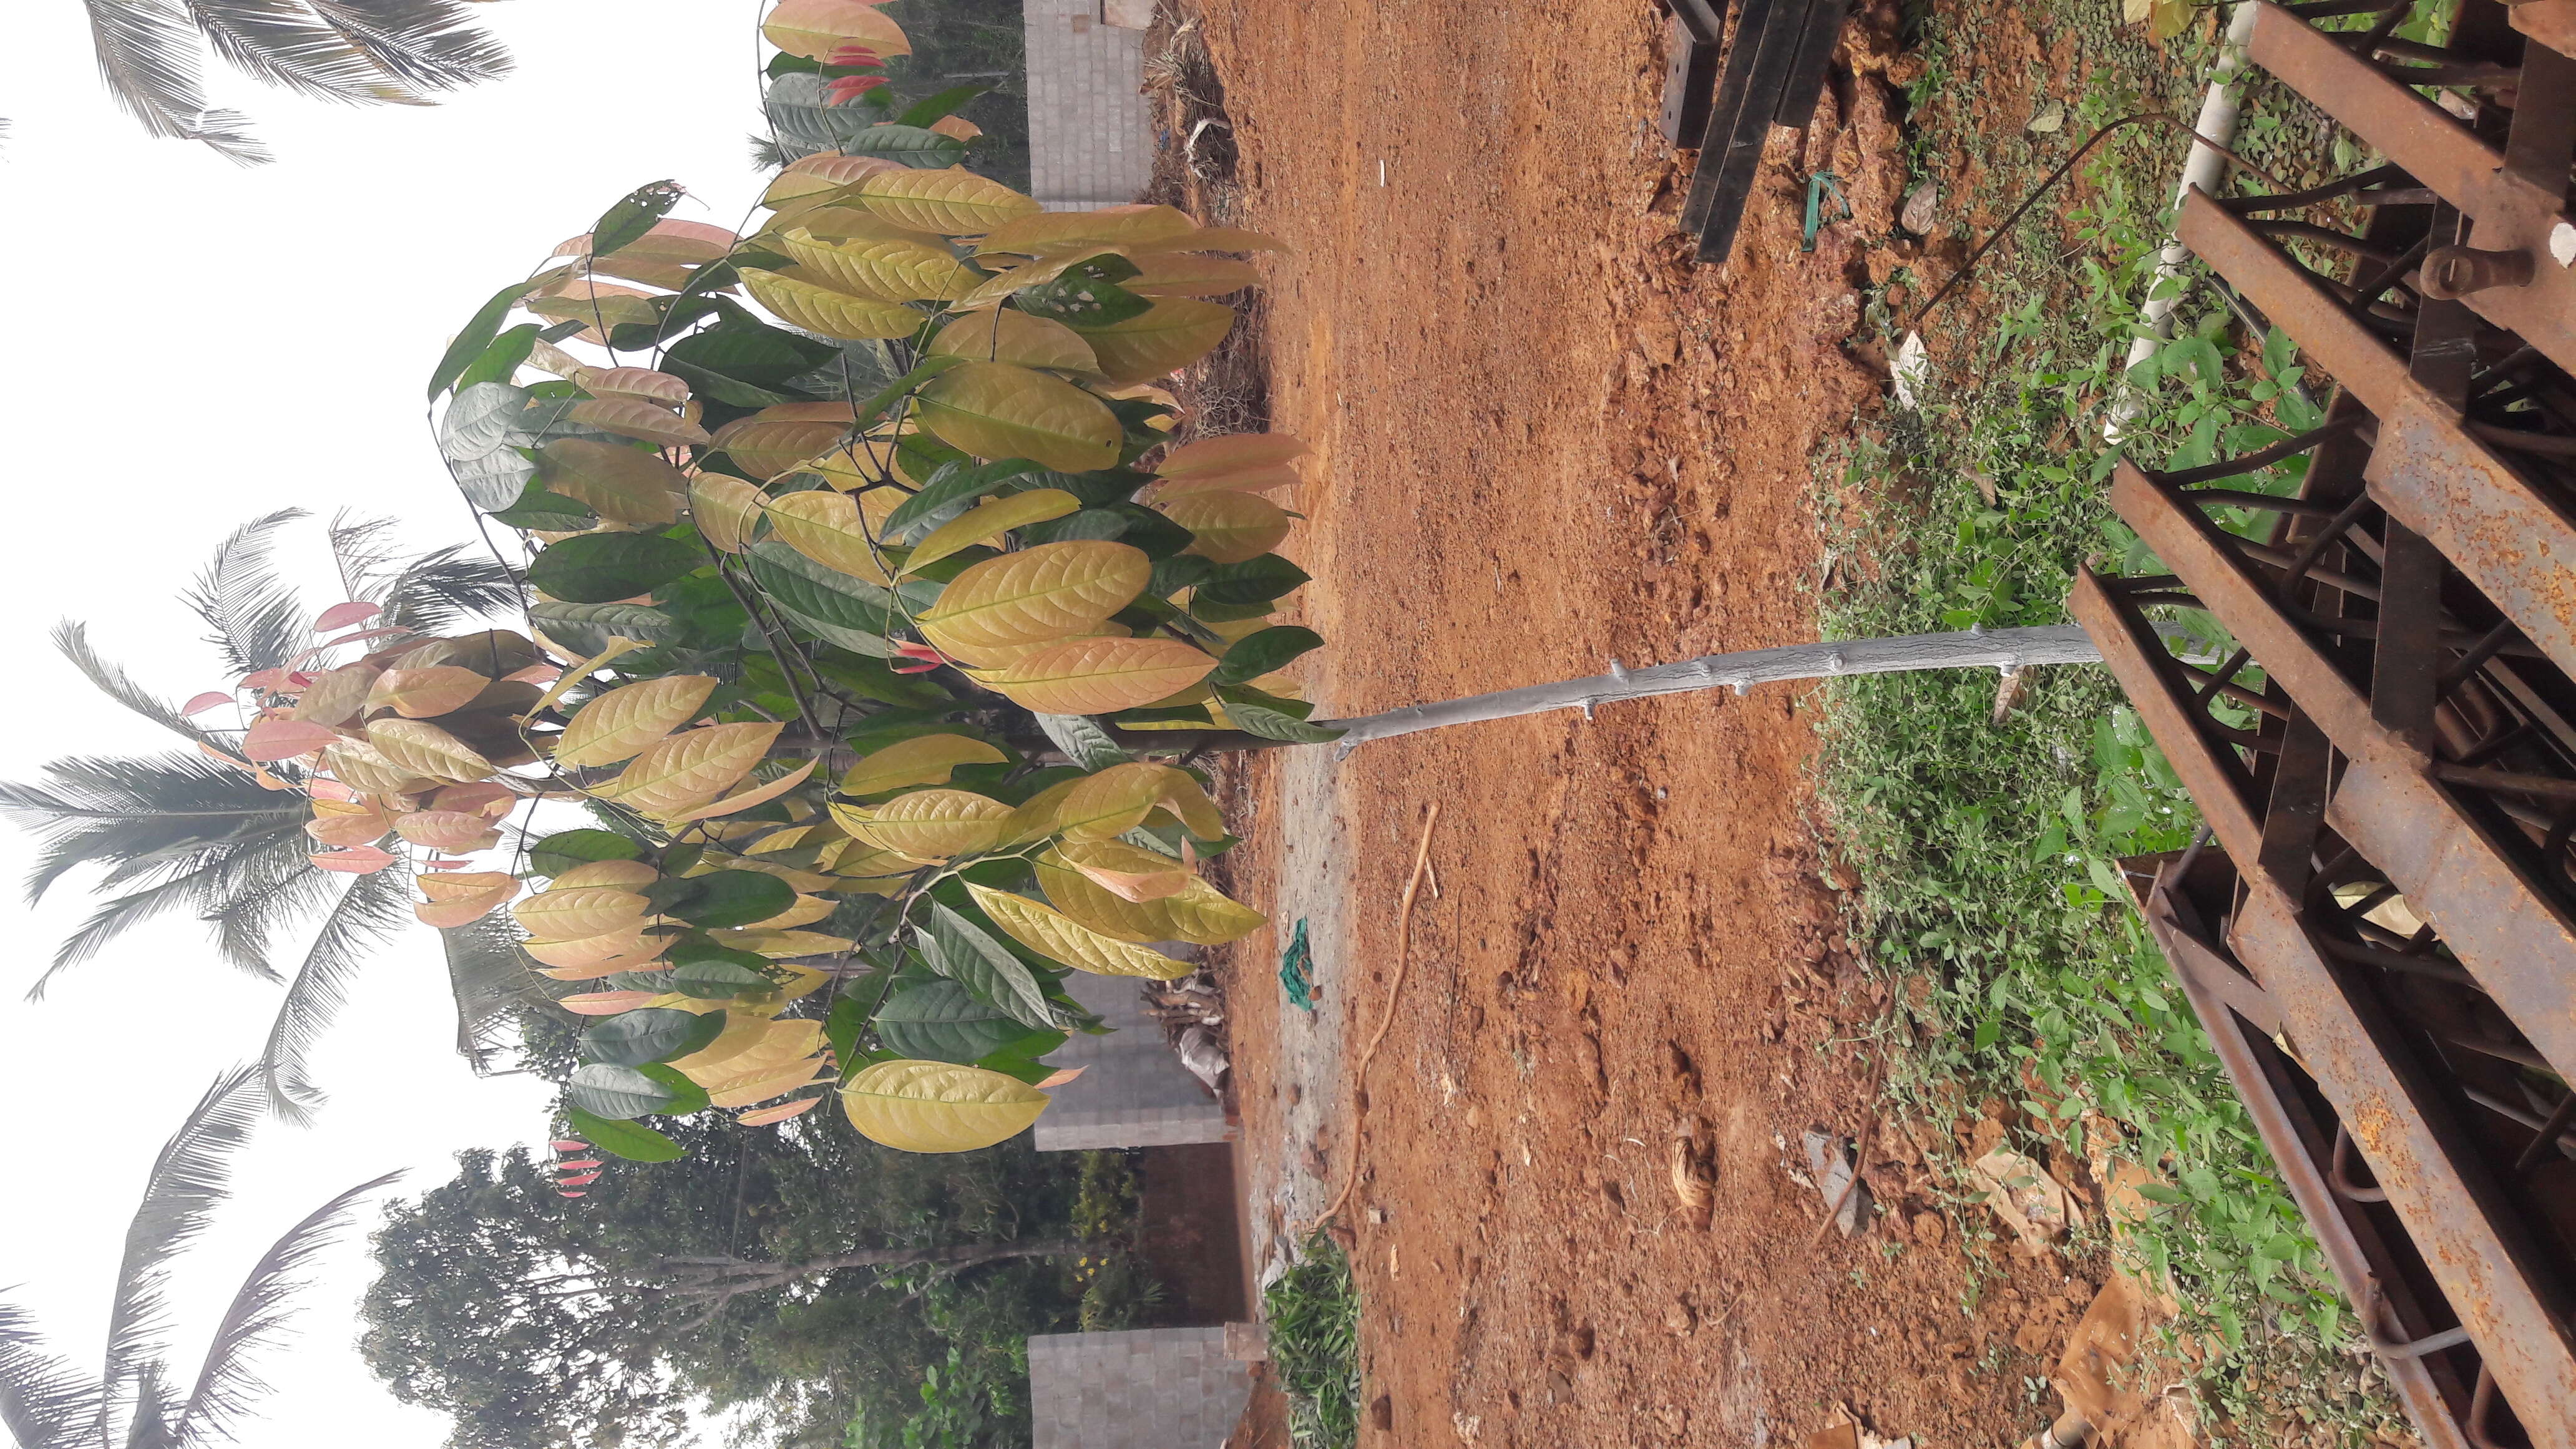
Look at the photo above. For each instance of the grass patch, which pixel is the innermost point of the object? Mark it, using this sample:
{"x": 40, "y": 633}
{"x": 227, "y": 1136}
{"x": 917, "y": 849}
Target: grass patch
{"x": 1118, "y": 1290}
{"x": 1314, "y": 1317}
{"x": 1987, "y": 854}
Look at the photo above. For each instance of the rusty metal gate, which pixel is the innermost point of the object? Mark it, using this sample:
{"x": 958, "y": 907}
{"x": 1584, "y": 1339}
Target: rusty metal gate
{"x": 2379, "y": 932}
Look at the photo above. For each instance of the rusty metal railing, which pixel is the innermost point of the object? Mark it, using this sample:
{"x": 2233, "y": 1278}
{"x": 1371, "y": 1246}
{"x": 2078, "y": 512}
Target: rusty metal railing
{"x": 2380, "y": 933}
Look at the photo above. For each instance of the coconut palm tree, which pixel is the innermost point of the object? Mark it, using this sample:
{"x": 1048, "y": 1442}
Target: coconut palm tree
{"x": 151, "y": 53}
{"x": 184, "y": 831}
{"x": 138, "y": 1399}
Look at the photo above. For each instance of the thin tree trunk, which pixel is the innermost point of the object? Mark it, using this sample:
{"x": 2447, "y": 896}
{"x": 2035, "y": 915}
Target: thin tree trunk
{"x": 725, "y": 1277}
{"x": 2008, "y": 650}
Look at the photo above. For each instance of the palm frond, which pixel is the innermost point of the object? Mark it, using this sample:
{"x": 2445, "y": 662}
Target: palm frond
{"x": 149, "y": 1424}
{"x": 191, "y": 1178}
{"x": 72, "y": 638}
{"x": 45, "y": 1403}
{"x": 257, "y": 620}
{"x": 148, "y": 56}
{"x": 489, "y": 979}
{"x": 428, "y": 44}
{"x": 226, "y": 1386}
{"x": 148, "y": 809}
{"x": 372, "y": 908}
{"x": 275, "y": 891}
{"x": 119, "y": 915}
{"x": 447, "y": 587}
{"x": 285, "y": 44}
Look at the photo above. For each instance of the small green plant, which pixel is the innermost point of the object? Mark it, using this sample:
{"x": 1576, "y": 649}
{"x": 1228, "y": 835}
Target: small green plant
{"x": 959, "y": 1405}
{"x": 1314, "y": 1317}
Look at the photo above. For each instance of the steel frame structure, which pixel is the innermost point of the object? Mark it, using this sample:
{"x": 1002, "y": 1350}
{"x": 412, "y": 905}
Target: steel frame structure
{"x": 2379, "y": 932}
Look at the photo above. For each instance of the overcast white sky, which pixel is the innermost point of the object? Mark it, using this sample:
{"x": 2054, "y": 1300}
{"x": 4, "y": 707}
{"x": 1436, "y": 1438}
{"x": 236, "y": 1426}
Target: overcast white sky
{"x": 191, "y": 344}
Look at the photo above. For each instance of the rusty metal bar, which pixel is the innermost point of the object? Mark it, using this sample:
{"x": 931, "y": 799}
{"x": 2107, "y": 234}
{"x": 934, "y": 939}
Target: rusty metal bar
{"x": 2442, "y": 483}
{"x": 2508, "y": 209}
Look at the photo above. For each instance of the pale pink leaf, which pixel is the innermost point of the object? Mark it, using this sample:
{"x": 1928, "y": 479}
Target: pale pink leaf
{"x": 364, "y": 860}
{"x": 284, "y": 739}
{"x": 763, "y": 1116}
{"x": 341, "y": 616}
{"x": 1062, "y": 1075}
{"x": 584, "y": 1180}
{"x": 572, "y": 1194}
{"x": 605, "y": 1003}
{"x": 566, "y": 1144}
{"x": 205, "y": 701}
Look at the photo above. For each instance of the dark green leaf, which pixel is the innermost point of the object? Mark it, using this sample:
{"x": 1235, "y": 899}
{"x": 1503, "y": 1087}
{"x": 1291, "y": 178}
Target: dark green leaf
{"x": 922, "y": 372}
{"x": 587, "y": 628}
{"x": 744, "y": 351}
{"x": 1091, "y": 523}
{"x": 543, "y": 511}
{"x": 500, "y": 361}
{"x": 1177, "y": 572}
{"x": 950, "y": 484}
{"x": 850, "y": 612}
{"x": 602, "y": 568}
{"x": 873, "y": 678}
{"x": 720, "y": 974}
{"x": 721, "y": 898}
{"x": 1265, "y": 651}
{"x": 624, "y": 1139}
{"x": 1087, "y": 295}
{"x": 841, "y": 1030}
{"x": 1157, "y": 537}
{"x": 942, "y": 1021}
{"x": 1083, "y": 740}
{"x": 650, "y": 1034}
{"x": 628, "y": 221}
{"x": 1271, "y": 724}
{"x": 565, "y": 849}
{"x": 686, "y": 1096}
{"x": 960, "y": 950}
{"x": 605, "y": 1089}
{"x": 912, "y": 145}
{"x": 946, "y": 103}
{"x": 476, "y": 337}
{"x": 1254, "y": 581}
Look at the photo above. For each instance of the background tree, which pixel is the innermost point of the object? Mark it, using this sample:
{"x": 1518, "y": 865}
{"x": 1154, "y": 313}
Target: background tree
{"x": 185, "y": 831}
{"x": 140, "y": 1397}
{"x": 539, "y": 1321}
{"x": 151, "y": 54}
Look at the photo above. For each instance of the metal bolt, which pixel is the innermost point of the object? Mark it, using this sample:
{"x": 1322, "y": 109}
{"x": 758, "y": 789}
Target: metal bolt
{"x": 2454, "y": 272}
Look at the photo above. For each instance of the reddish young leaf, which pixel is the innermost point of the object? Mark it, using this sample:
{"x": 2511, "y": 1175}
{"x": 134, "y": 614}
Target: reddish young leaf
{"x": 284, "y": 739}
{"x": 568, "y": 1145}
{"x": 341, "y": 616}
{"x": 364, "y": 860}
{"x": 206, "y": 701}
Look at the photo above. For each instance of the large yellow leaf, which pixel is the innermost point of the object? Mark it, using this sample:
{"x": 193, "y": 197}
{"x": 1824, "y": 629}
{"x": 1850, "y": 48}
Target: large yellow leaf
{"x": 1232, "y": 451}
{"x": 777, "y": 439}
{"x": 425, "y": 749}
{"x": 1035, "y": 595}
{"x": 800, "y": 297}
{"x": 889, "y": 271}
{"x": 458, "y": 898}
{"x": 1186, "y": 274}
{"x": 1260, "y": 478}
{"x": 669, "y": 393}
{"x": 345, "y": 823}
{"x": 1057, "y": 231}
{"x": 631, "y": 874}
{"x": 1216, "y": 239}
{"x": 805, "y": 910}
{"x": 455, "y": 831}
{"x": 921, "y": 760}
{"x": 723, "y": 507}
{"x": 830, "y": 529}
{"x": 621, "y": 484}
{"x": 568, "y": 913}
{"x": 598, "y": 306}
{"x": 803, "y": 1073}
{"x": 1059, "y": 937}
{"x": 1200, "y": 914}
{"x": 1111, "y": 802}
{"x": 362, "y": 766}
{"x": 335, "y": 696}
{"x": 421, "y": 693}
{"x": 1007, "y": 335}
{"x": 927, "y": 826}
{"x": 1230, "y": 527}
{"x": 758, "y": 795}
{"x": 690, "y": 768}
{"x": 1035, "y": 819}
{"x": 995, "y": 410}
{"x": 1168, "y": 336}
{"x": 636, "y": 418}
{"x": 951, "y": 203}
{"x": 989, "y": 520}
{"x": 619, "y": 724}
{"x": 939, "y": 1106}
{"x": 813, "y": 177}
{"x": 828, "y": 219}
{"x": 1100, "y": 676}
{"x": 743, "y": 1030}
{"x": 816, "y": 28}
{"x": 1126, "y": 871}
{"x": 588, "y": 958}
{"x": 780, "y": 945}
{"x": 991, "y": 291}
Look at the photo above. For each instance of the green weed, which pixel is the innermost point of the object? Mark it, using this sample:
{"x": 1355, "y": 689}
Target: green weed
{"x": 1314, "y": 1317}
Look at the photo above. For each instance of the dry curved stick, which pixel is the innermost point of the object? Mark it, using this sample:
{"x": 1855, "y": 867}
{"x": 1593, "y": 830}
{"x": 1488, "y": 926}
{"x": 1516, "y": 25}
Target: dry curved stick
{"x": 1386, "y": 1017}
{"x": 2005, "y": 230}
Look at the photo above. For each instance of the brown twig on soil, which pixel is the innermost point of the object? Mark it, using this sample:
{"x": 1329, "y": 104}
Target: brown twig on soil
{"x": 1386, "y": 1017}
{"x": 2027, "y": 202}
{"x": 1860, "y": 1155}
